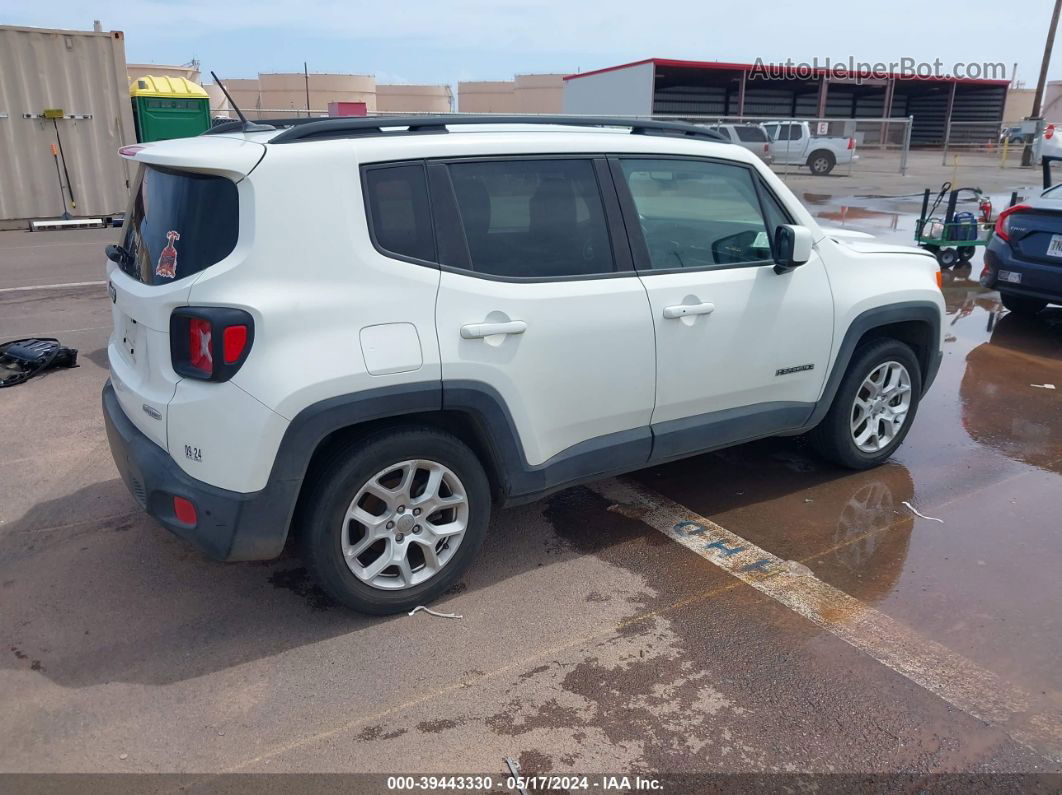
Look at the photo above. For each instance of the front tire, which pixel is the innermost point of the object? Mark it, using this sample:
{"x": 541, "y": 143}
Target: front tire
{"x": 394, "y": 519}
{"x": 873, "y": 408}
{"x": 1021, "y": 305}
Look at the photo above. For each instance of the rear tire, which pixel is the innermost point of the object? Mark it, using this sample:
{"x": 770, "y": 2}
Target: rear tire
{"x": 887, "y": 415}
{"x": 821, "y": 162}
{"x": 362, "y": 513}
{"x": 966, "y": 253}
{"x": 1020, "y": 305}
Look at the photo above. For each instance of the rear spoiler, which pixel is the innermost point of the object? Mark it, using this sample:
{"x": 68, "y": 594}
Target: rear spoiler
{"x": 1047, "y": 161}
{"x": 234, "y": 157}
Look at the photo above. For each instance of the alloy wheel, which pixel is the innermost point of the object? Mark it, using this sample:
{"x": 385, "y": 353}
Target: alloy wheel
{"x": 880, "y": 408}
{"x": 405, "y": 524}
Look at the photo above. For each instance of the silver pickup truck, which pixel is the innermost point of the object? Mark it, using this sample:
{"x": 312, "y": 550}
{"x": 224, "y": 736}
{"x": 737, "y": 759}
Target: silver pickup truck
{"x": 794, "y": 143}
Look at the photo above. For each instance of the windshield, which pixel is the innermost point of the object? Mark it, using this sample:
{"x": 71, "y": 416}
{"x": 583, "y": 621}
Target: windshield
{"x": 179, "y": 223}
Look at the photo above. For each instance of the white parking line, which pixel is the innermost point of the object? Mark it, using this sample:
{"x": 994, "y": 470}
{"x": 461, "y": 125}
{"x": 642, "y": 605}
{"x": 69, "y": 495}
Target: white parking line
{"x": 51, "y": 286}
{"x": 928, "y": 664}
{"x": 52, "y": 332}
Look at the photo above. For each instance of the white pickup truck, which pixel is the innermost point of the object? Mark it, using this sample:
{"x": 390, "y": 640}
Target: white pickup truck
{"x": 794, "y": 143}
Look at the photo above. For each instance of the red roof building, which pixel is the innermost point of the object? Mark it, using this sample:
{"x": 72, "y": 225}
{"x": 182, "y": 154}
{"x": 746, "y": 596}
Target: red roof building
{"x": 715, "y": 90}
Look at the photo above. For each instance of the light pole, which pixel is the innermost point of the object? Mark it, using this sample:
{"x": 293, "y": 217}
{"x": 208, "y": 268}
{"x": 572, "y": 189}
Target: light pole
{"x": 1041, "y": 84}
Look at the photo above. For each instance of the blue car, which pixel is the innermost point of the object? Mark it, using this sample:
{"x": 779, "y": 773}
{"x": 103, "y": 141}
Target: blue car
{"x": 1023, "y": 260}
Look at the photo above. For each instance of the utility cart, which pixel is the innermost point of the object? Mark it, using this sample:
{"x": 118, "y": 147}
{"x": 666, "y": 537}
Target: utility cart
{"x": 954, "y": 237}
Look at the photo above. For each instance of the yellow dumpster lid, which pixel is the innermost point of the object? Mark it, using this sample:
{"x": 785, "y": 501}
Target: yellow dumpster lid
{"x": 171, "y": 87}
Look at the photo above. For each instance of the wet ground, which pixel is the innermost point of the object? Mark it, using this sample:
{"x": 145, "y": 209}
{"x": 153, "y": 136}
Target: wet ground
{"x": 590, "y": 640}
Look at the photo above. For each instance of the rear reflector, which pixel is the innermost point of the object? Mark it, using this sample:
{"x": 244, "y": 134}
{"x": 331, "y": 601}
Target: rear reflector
{"x": 184, "y": 510}
{"x": 234, "y": 341}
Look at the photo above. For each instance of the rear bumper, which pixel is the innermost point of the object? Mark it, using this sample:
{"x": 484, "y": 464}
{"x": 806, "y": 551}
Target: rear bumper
{"x": 1037, "y": 280}
{"x": 230, "y": 525}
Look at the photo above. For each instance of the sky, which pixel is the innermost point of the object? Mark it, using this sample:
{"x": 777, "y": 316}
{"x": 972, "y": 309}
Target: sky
{"x": 446, "y": 41}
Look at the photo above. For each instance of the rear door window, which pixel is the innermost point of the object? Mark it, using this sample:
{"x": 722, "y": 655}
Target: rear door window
{"x": 179, "y": 223}
{"x": 533, "y": 218}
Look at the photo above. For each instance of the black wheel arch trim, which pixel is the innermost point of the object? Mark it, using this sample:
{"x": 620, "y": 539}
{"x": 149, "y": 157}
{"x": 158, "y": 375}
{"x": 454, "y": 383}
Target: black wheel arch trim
{"x": 906, "y": 311}
{"x": 607, "y": 455}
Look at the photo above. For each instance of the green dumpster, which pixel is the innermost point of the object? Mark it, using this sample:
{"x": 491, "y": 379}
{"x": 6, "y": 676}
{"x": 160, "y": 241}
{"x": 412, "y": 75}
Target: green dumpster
{"x": 168, "y": 107}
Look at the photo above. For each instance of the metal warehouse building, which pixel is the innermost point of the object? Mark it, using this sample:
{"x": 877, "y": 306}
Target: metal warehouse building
{"x": 658, "y": 86}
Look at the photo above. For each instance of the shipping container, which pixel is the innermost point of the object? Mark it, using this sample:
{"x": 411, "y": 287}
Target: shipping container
{"x": 65, "y": 89}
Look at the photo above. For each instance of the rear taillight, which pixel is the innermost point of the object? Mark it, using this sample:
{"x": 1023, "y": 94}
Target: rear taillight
{"x": 1003, "y": 221}
{"x": 234, "y": 342}
{"x": 210, "y": 343}
{"x": 851, "y": 143}
{"x": 766, "y": 148}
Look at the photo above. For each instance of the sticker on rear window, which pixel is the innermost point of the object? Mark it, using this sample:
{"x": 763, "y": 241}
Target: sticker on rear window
{"x": 167, "y": 264}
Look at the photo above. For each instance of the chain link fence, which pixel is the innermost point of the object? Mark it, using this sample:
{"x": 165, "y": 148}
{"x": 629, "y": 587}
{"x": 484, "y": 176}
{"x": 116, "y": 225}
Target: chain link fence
{"x": 856, "y": 146}
{"x": 1007, "y": 145}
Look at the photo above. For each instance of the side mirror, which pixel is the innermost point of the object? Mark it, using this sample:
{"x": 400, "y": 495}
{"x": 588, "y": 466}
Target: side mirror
{"x": 792, "y": 247}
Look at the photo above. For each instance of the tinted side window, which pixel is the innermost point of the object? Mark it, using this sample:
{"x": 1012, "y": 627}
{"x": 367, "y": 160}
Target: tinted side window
{"x": 533, "y": 218}
{"x": 697, "y": 214}
{"x": 750, "y": 134}
{"x": 399, "y": 210}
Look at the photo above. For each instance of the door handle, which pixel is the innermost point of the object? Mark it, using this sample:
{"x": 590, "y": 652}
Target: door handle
{"x": 684, "y": 310}
{"x": 477, "y": 331}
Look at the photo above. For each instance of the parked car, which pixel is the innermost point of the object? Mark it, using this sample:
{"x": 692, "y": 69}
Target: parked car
{"x": 370, "y": 333}
{"x": 1012, "y": 135}
{"x": 794, "y": 143}
{"x": 1023, "y": 259}
{"x": 1049, "y": 143}
{"x": 750, "y": 136}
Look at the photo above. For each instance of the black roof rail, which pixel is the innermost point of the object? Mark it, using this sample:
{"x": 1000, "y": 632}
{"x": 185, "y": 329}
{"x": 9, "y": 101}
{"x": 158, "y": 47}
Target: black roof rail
{"x": 351, "y": 127}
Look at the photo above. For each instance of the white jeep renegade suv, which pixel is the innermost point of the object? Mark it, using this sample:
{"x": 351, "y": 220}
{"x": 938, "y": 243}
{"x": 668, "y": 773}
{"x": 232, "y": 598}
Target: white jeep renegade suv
{"x": 369, "y": 332}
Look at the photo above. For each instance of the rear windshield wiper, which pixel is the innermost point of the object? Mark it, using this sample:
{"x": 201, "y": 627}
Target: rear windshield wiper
{"x": 117, "y": 253}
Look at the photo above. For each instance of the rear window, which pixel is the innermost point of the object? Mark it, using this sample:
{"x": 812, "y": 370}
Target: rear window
{"x": 752, "y": 134}
{"x": 179, "y": 223}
